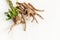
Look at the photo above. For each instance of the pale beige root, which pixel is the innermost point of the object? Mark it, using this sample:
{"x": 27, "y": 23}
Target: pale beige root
{"x": 21, "y": 12}
{"x": 32, "y": 11}
{"x": 32, "y": 7}
{"x": 39, "y": 16}
{"x": 25, "y": 26}
{"x": 19, "y": 7}
{"x": 27, "y": 6}
{"x": 24, "y": 8}
{"x": 12, "y": 27}
{"x": 29, "y": 12}
{"x": 24, "y": 22}
{"x": 17, "y": 20}
{"x": 34, "y": 18}
{"x": 22, "y": 4}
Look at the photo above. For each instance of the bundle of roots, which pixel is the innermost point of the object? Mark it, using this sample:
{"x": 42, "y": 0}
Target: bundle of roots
{"x": 25, "y": 9}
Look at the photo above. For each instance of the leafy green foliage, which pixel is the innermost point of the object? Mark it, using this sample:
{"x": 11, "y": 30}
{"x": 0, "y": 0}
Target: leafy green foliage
{"x": 13, "y": 12}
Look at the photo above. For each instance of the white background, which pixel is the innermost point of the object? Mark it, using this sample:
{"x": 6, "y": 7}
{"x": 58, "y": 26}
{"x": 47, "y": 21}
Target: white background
{"x": 47, "y": 29}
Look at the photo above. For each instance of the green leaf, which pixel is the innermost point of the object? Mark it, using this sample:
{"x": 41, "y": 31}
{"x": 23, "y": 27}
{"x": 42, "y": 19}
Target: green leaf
{"x": 11, "y": 14}
{"x": 15, "y": 12}
{"x": 7, "y": 14}
{"x": 8, "y": 18}
{"x": 10, "y": 3}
